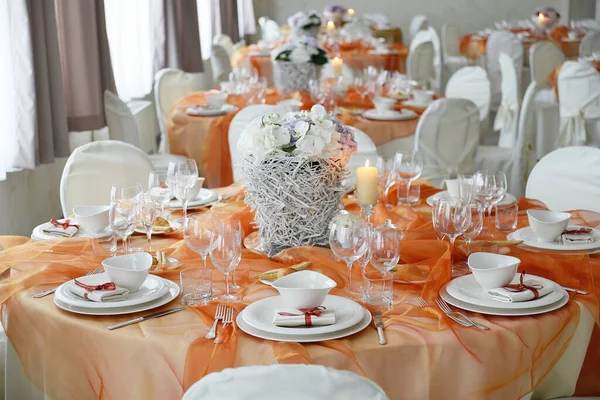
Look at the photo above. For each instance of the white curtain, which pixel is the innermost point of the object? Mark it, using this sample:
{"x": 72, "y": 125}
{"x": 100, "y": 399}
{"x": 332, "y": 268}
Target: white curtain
{"x": 246, "y": 20}
{"x": 136, "y": 36}
{"x": 210, "y": 22}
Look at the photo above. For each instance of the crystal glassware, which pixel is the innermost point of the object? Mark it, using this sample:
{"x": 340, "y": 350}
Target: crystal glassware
{"x": 408, "y": 166}
{"x": 181, "y": 177}
{"x": 124, "y": 211}
{"x": 489, "y": 188}
{"x": 226, "y": 254}
{"x": 149, "y": 210}
{"x": 198, "y": 231}
{"x": 507, "y": 217}
{"x": 385, "y": 247}
{"x": 160, "y": 191}
{"x": 196, "y": 286}
{"x": 452, "y": 218}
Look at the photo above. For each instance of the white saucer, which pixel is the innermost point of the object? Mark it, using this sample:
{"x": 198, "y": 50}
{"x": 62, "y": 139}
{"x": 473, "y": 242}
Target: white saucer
{"x": 199, "y": 111}
{"x": 260, "y": 315}
{"x": 249, "y": 329}
{"x": 38, "y": 233}
{"x": 391, "y": 115}
{"x": 466, "y": 289}
{"x": 508, "y": 198}
{"x": 530, "y": 239}
{"x": 167, "y": 298}
{"x": 153, "y": 288}
{"x": 204, "y": 197}
{"x": 175, "y": 224}
{"x": 413, "y": 103}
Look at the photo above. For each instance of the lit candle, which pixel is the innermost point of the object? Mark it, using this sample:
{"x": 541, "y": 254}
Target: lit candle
{"x": 351, "y": 12}
{"x": 337, "y": 64}
{"x": 330, "y": 26}
{"x": 366, "y": 184}
{"x": 541, "y": 17}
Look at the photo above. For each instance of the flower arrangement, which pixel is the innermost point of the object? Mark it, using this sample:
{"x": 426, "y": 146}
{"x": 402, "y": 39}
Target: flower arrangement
{"x": 301, "y": 50}
{"x": 305, "y": 21}
{"x": 335, "y": 13}
{"x": 297, "y": 63}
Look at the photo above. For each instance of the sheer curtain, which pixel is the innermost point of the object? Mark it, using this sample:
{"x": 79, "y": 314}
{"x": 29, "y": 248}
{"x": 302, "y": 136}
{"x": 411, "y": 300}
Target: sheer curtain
{"x": 210, "y": 20}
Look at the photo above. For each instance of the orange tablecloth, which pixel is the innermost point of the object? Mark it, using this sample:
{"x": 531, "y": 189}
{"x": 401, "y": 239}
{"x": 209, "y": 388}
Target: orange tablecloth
{"x": 428, "y": 356}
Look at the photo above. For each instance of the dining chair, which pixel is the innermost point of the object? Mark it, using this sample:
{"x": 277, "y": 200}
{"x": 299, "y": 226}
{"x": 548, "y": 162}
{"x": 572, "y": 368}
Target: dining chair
{"x": 447, "y": 136}
{"x": 225, "y": 42}
{"x": 567, "y": 179}
{"x": 430, "y": 35}
{"x": 502, "y": 42}
{"x": 92, "y": 169}
{"x": 270, "y": 29}
{"x": 544, "y": 57}
{"x": 282, "y": 379}
{"x": 590, "y": 44}
{"x": 451, "y": 57}
{"x": 418, "y": 23}
{"x": 471, "y": 83}
{"x": 220, "y": 64}
{"x": 508, "y": 111}
{"x": 419, "y": 65}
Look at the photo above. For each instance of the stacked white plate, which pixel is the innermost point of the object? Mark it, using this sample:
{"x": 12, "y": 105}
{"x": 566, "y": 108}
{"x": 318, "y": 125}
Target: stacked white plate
{"x": 200, "y": 111}
{"x": 257, "y": 320}
{"x": 530, "y": 239}
{"x": 464, "y": 292}
{"x": 204, "y": 197}
{"x": 390, "y": 115}
{"x": 38, "y": 232}
{"x": 508, "y": 198}
{"x": 154, "y": 292}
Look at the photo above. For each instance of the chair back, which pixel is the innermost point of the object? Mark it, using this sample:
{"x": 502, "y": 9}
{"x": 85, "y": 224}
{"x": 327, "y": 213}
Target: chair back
{"x": 225, "y": 42}
{"x": 544, "y": 57}
{"x": 92, "y": 169}
{"x": 589, "y": 44}
{"x": 120, "y": 121}
{"x": 471, "y": 83}
{"x": 502, "y": 42}
{"x": 420, "y": 64}
{"x": 508, "y": 111}
{"x": 448, "y": 135}
{"x": 270, "y": 29}
{"x": 418, "y": 23}
{"x": 450, "y": 41}
{"x": 220, "y": 63}
{"x": 567, "y": 179}
{"x": 430, "y": 35}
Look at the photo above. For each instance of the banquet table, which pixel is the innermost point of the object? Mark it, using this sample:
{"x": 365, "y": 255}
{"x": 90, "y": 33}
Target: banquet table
{"x": 72, "y": 356}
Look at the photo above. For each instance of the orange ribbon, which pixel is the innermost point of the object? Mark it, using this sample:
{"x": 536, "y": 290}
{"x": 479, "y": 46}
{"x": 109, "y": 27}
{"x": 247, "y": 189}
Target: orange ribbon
{"x": 64, "y": 225}
{"x": 307, "y": 312}
{"x": 90, "y": 288}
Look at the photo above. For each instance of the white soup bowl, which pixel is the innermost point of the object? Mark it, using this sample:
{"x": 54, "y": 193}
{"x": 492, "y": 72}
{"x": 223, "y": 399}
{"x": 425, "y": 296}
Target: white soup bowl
{"x": 128, "y": 271}
{"x": 491, "y": 270}
{"x": 548, "y": 225}
{"x": 216, "y": 99}
{"x": 92, "y": 218}
{"x": 423, "y": 96}
{"x": 384, "y": 104}
{"x": 304, "y": 289}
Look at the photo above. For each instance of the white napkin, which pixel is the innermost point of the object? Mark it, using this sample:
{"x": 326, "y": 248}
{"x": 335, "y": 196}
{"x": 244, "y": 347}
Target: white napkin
{"x": 99, "y": 296}
{"x": 577, "y": 239}
{"x": 506, "y": 296}
{"x": 60, "y": 232}
{"x": 327, "y": 317}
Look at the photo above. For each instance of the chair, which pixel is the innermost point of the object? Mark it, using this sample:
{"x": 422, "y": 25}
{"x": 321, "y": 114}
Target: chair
{"x": 502, "y": 42}
{"x": 590, "y": 44}
{"x": 567, "y": 179}
{"x": 419, "y": 65}
{"x": 283, "y": 381}
{"x": 518, "y": 159}
{"x": 544, "y": 57}
{"x": 451, "y": 57}
{"x": 270, "y": 29}
{"x": 357, "y": 30}
{"x": 430, "y": 35}
{"x": 508, "y": 111}
{"x": 418, "y": 23}
{"x": 220, "y": 64}
{"x": 447, "y": 135}
{"x": 579, "y": 104}
{"x": 92, "y": 169}
{"x": 225, "y": 42}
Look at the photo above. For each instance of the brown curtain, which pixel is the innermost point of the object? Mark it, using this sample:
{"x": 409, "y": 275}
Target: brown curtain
{"x": 51, "y": 136}
{"x": 182, "y": 36}
{"x": 229, "y": 19}
{"x": 85, "y": 59}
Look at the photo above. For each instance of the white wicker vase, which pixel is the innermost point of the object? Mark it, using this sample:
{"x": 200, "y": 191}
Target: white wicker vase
{"x": 294, "y": 199}
{"x": 289, "y": 76}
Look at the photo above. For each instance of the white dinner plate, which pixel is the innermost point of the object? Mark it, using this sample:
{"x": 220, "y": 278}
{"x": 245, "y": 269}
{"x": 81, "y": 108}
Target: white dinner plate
{"x": 413, "y": 103}
{"x": 173, "y": 292}
{"x": 530, "y": 239}
{"x": 250, "y": 330}
{"x": 204, "y": 197}
{"x": 200, "y": 111}
{"x": 38, "y": 233}
{"x": 390, "y": 115}
{"x": 466, "y": 289}
{"x": 507, "y": 312}
{"x": 566, "y": 39}
{"x": 153, "y": 288}
{"x": 260, "y": 316}
{"x": 508, "y": 198}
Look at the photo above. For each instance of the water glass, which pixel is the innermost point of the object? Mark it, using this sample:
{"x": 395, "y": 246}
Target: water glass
{"x": 413, "y": 196}
{"x": 507, "y": 217}
{"x": 149, "y": 210}
{"x": 124, "y": 211}
{"x": 408, "y": 166}
{"x": 376, "y": 288}
{"x": 198, "y": 232}
{"x": 160, "y": 191}
{"x": 181, "y": 177}
{"x": 226, "y": 253}
{"x": 196, "y": 286}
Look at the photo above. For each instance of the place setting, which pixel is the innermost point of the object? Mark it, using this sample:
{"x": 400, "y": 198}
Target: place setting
{"x": 216, "y": 105}
{"x": 87, "y": 222}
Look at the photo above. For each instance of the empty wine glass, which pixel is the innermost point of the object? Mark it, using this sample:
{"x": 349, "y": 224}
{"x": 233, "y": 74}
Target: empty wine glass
{"x": 124, "y": 211}
{"x": 385, "y": 247}
{"x": 489, "y": 188}
{"x": 364, "y": 260}
{"x": 361, "y": 87}
{"x": 472, "y": 231}
{"x": 198, "y": 232}
{"x": 160, "y": 191}
{"x": 149, "y": 210}
{"x": 452, "y": 218}
{"x": 408, "y": 166}
{"x": 348, "y": 239}
{"x": 226, "y": 253}
{"x": 181, "y": 177}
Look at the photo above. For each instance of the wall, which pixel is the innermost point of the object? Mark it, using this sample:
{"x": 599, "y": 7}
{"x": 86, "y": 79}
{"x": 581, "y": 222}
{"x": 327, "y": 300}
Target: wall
{"x": 582, "y": 9}
{"x": 470, "y": 15}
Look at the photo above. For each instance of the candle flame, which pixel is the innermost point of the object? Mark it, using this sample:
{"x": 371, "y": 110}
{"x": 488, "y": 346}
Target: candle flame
{"x": 351, "y": 11}
{"x": 330, "y": 25}
{"x": 542, "y": 16}
{"x": 336, "y": 59}
{"x": 367, "y": 163}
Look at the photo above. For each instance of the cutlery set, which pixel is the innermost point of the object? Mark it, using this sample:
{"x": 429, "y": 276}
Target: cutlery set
{"x": 223, "y": 314}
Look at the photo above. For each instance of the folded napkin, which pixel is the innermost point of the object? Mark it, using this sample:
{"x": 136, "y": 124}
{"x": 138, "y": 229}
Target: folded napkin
{"x": 293, "y": 317}
{"x": 100, "y": 296}
{"x": 577, "y": 236}
{"x": 62, "y": 229}
{"x": 508, "y": 296}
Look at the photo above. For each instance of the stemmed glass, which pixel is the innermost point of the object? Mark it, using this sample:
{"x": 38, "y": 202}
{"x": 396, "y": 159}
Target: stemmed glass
{"x": 198, "y": 232}
{"x": 489, "y": 188}
{"x": 472, "y": 231}
{"x": 348, "y": 239}
{"x": 149, "y": 210}
{"x": 360, "y": 87}
{"x": 160, "y": 191}
{"x": 124, "y": 211}
{"x": 408, "y": 166}
{"x": 452, "y": 218}
{"x": 385, "y": 248}
{"x": 226, "y": 253}
{"x": 181, "y": 177}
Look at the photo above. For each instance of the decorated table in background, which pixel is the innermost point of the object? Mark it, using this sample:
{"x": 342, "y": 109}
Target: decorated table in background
{"x": 427, "y": 355}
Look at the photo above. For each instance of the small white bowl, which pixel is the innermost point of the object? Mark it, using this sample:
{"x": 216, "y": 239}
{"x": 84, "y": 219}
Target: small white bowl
{"x": 92, "y": 218}
{"x": 452, "y": 187}
{"x": 384, "y": 104}
{"x": 216, "y": 99}
{"x": 304, "y": 289}
{"x": 423, "y": 96}
{"x": 290, "y": 104}
{"x": 548, "y": 225}
{"x": 491, "y": 270}
{"x": 128, "y": 271}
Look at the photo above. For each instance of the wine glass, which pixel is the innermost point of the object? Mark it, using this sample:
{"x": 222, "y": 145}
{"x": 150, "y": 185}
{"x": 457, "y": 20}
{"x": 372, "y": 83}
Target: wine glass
{"x": 361, "y": 87}
{"x": 198, "y": 231}
{"x": 489, "y": 188}
{"x": 160, "y": 191}
{"x": 181, "y": 177}
{"x": 385, "y": 248}
{"x": 472, "y": 231}
{"x": 408, "y": 166}
{"x": 348, "y": 239}
{"x": 124, "y": 211}
{"x": 452, "y": 218}
{"x": 149, "y": 210}
{"x": 364, "y": 260}
{"x": 226, "y": 253}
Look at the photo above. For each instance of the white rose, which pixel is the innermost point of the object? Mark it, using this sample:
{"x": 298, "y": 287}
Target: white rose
{"x": 276, "y": 137}
{"x": 309, "y": 145}
{"x": 299, "y": 55}
{"x": 318, "y": 111}
{"x": 259, "y": 146}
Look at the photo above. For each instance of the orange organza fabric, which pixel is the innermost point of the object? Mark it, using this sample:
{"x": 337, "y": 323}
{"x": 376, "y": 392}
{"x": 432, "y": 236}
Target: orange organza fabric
{"x": 171, "y": 352}
{"x": 472, "y": 48}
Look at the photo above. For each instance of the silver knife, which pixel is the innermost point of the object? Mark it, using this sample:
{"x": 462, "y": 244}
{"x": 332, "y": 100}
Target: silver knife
{"x": 378, "y": 321}
{"x": 140, "y": 319}
{"x": 568, "y": 289}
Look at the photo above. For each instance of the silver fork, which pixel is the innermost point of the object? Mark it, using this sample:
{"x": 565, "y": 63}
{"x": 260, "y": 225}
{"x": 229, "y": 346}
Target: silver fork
{"x": 227, "y": 319}
{"x": 421, "y": 302}
{"x": 50, "y": 291}
{"x": 448, "y": 311}
{"x": 219, "y": 314}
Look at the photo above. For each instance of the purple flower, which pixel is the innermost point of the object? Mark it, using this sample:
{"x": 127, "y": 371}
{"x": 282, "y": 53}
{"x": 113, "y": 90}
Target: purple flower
{"x": 335, "y": 9}
{"x": 310, "y": 41}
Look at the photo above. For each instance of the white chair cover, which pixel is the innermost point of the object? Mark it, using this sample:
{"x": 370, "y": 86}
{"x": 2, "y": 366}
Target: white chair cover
{"x": 447, "y": 136}
{"x": 377, "y": 19}
{"x": 269, "y": 29}
{"x": 517, "y": 160}
{"x": 567, "y": 179}
{"x": 589, "y": 24}
{"x": 579, "y": 100}
{"x": 420, "y": 64}
{"x": 238, "y": 45}
{"x": 590, "y": 44}
{"x": 544, "y": 57}
{"x": 94, "y": 168}
{"x": 220, "y": 63}
{"x": 170, "y": 85}
{"x": 357, "y": 30}
{"x": 430, "y": 35}
{"x": 451, "y": 45}
{"x": 418, "y": 23}
{"x": 225, "y": 42}
{"x": 502, "y": 42}
{"x": 471, "y": 83}
{"x": 508, "y": 111}
{"x": 280, "y": 381}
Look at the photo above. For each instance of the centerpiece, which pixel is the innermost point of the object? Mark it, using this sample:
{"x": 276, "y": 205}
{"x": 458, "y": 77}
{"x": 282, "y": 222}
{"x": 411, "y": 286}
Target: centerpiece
{"x": 335, "y": 13}
{"x": 545, "y": 18}
{"x": 305, "y": 23}
{"x": 293, "y": 166}
{"x": 296, "y": 63}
